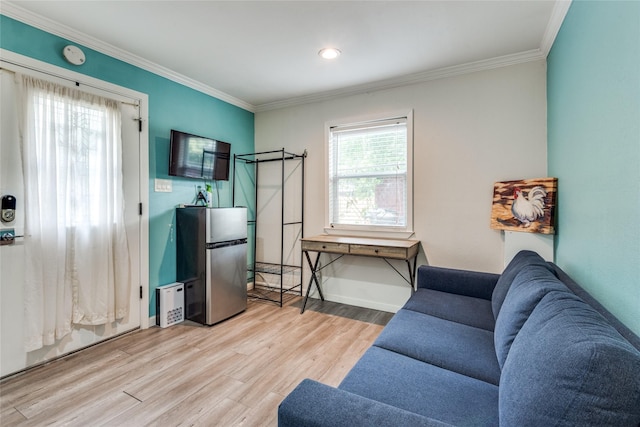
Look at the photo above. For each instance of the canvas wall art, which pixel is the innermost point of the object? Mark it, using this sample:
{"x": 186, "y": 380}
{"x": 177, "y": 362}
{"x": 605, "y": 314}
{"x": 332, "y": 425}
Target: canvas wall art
{"x": 527, "y": 205}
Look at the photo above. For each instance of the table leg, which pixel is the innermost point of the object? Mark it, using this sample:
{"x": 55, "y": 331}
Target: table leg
{"x": 412, "y": 272}
{"x": 312, "y": 280}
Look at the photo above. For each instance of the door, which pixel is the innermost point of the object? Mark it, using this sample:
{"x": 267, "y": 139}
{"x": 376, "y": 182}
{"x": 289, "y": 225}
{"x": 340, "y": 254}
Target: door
{"x": 12, "y": 355}
{"x": 226, "y": 281}
{"x": 131, "y": 179}
{"x": 224, "y": 224}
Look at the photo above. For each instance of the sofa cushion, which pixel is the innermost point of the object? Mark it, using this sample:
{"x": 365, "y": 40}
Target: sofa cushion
{"x": 475, "y": 284}
{"x": 457, "y": 308}
{"x": 449, "y": 345}
{"x": 531, "y": 284}
{"x": 314, "y": 404}
{"x": 521, "y": 259}
{"x": 423, "y": 388}
{"x": 568, "y": 367}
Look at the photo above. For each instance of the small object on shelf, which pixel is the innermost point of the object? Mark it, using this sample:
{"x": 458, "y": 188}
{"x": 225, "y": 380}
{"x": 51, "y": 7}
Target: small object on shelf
{"x": 209, "y": 195}
{"x": 201, "y": 197}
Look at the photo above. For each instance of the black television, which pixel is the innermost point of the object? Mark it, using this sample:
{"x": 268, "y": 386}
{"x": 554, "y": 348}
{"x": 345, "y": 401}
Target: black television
{"x": 194, "y": 156}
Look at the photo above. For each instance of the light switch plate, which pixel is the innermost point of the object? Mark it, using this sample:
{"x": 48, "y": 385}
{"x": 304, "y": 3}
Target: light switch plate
{"x": 163, "y": 185}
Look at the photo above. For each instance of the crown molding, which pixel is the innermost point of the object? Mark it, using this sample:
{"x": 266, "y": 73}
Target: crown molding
{"x": 55, "y": 28}
{"x": 559, "y": 12}
{"x": 425, "y": 76}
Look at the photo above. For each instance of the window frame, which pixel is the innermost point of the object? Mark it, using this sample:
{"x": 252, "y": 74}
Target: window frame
{"x": 370, "y": 230}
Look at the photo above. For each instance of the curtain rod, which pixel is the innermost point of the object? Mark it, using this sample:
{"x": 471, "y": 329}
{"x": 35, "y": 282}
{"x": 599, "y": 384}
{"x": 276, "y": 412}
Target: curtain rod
{"x": 77, "y": 83}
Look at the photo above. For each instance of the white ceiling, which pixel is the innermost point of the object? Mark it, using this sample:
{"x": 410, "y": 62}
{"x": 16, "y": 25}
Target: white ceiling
{"x": 263, "y": 54}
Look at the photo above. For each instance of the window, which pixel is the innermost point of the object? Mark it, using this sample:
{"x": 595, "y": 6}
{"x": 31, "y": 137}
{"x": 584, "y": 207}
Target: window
{"x": 370, "y": 174}
{"x": 84, "y": 153}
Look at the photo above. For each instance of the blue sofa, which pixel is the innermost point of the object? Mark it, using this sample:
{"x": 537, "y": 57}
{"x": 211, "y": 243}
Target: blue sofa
{"x": 525, "y": 348}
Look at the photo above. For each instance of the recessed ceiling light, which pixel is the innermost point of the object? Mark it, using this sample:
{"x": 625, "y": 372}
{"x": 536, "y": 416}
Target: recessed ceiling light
{"x": 329, "y": 53}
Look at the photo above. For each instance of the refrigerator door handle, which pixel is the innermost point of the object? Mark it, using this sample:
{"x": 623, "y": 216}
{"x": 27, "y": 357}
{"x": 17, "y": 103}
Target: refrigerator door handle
{"x": 225, "y": 244}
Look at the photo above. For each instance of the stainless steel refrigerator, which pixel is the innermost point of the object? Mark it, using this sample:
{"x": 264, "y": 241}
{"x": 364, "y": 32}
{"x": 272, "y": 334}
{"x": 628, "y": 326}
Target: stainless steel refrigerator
{"x": 212, "y": 262}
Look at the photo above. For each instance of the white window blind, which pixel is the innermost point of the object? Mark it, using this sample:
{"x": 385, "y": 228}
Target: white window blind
{"x": 369, "y": 182}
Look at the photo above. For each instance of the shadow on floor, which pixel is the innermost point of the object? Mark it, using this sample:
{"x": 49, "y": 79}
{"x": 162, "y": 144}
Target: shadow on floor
{"x": 368, "y": 315}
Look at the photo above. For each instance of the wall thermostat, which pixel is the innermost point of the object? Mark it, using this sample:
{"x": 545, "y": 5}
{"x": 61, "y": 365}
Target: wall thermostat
{"x": 73, "y": 54}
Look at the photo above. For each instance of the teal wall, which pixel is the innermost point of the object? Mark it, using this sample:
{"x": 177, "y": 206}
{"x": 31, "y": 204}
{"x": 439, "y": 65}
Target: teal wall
{"x": 171, "y": 106}
{"x": 593, "y": 95}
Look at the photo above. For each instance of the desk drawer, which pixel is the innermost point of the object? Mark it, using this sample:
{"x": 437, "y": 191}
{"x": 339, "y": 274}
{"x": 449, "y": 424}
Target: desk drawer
{"x": 338, "y": 248}
{"x": 379, "y": 251}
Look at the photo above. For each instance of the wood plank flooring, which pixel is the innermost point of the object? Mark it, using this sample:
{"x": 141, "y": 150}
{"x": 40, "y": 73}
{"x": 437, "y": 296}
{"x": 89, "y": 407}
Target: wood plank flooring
{"x": 235, "y": 373}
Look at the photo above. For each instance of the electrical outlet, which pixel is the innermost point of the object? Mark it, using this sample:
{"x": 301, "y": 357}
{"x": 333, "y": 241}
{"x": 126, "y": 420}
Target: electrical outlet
{"x": 7, "y": 236}
{"x": 163, "y": 185}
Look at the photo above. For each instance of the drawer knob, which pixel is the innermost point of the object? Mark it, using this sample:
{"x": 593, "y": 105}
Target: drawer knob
{"x": 375, "y": 250}
{"x": 324, "y": 247}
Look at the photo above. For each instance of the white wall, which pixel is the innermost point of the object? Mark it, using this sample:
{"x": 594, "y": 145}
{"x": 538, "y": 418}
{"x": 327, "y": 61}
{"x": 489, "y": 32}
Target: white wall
{"x": 469, "y": 132}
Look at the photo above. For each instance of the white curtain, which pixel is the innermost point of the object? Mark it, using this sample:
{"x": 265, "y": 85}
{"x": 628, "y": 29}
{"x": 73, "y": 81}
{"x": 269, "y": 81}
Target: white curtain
{"x": 77, "y": 260}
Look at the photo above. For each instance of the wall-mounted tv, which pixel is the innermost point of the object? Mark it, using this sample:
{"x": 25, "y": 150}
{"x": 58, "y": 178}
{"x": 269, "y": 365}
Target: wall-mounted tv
{"x": 194, "y": 156}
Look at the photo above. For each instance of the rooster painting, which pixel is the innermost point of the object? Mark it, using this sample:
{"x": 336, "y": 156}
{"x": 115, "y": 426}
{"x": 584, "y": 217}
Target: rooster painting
{"x": 524, "y": 205}
{"x": 530, "y": 207}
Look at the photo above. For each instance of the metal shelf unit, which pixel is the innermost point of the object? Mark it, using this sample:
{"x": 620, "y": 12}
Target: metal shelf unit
{"x": 280, "y": 271}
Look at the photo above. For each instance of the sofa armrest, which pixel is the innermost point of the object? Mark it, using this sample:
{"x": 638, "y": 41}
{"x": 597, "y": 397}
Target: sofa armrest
{"x": 462, "y": 282}
{"x": 313, "y": 404}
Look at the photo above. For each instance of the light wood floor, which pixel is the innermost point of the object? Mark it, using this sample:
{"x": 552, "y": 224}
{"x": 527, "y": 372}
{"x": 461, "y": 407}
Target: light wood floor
{"x": 235, "y": 373}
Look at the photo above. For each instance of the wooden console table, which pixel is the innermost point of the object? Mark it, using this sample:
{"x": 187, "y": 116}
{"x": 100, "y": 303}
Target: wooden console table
{"x": 386, "y": 249}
